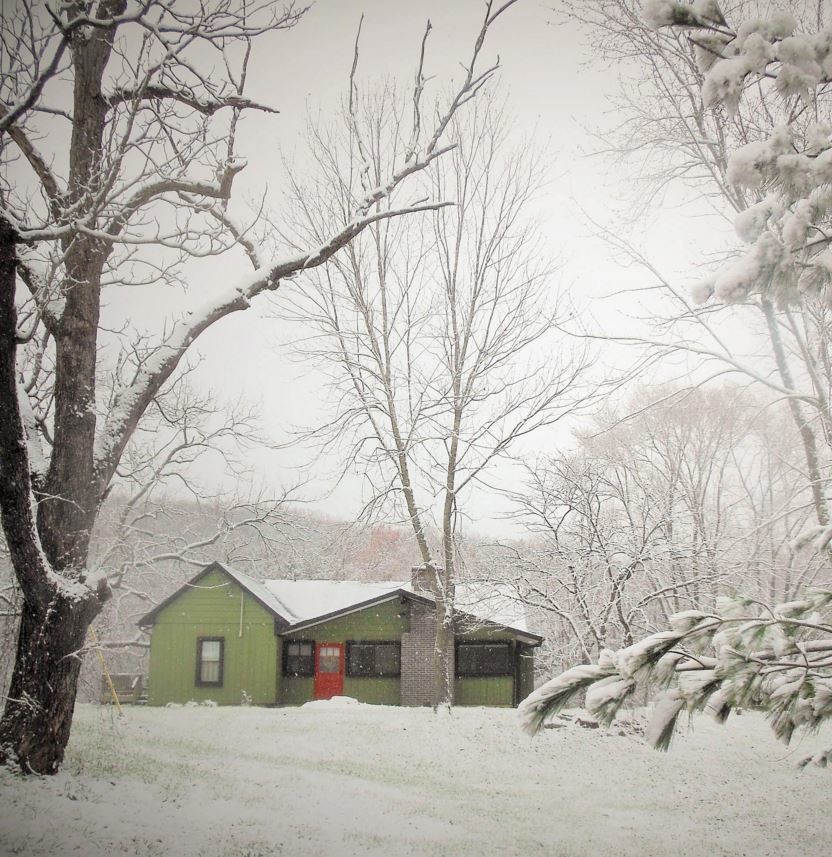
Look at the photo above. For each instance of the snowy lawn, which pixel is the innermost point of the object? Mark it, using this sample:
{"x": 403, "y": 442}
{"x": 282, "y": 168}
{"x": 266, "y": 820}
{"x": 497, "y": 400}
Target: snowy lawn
{"x": 336, "y": 779}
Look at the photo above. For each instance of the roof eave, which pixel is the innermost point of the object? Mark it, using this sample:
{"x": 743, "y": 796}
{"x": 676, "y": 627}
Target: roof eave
{"x": 524, "y": 636}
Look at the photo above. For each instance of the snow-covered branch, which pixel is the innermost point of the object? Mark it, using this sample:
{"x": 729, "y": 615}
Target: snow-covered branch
{"x": 779, "y": 659}
{"x": 130, "y": 403}
{"x": 205, "y": 105}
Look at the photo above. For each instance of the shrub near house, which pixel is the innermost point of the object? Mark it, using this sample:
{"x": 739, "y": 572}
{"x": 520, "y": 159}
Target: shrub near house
{"x": 227, "y": 637}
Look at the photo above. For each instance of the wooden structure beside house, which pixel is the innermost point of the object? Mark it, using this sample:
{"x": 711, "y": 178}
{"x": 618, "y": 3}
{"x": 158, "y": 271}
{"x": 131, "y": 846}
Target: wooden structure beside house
{"x": 229, "y": 638}
{"x": 128, "y": 688}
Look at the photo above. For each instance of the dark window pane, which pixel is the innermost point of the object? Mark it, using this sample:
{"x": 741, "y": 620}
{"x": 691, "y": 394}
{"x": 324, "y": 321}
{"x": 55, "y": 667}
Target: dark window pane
{"x": 361, "y": 659}
{"x": 299, "y": 659}
{"x": 465, "y": 660}
{"x": 373, "y": 659}
{"x": 483, "y": 659}
{"x": 387, "y": 659}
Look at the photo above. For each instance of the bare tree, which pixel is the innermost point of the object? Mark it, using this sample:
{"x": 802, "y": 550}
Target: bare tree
{"x": 432, "y": 331}
{"x": 133, "y": 179}
{"x": 659, "y": 507}
{"x": 774, "y": 654}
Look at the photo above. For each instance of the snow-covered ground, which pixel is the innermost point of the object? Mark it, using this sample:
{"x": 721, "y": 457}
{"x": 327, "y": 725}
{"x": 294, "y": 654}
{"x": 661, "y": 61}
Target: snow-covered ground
{"x": 337, "y": 779}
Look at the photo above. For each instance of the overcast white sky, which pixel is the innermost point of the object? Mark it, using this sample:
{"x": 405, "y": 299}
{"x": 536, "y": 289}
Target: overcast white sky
{"x": 553, "y": 92}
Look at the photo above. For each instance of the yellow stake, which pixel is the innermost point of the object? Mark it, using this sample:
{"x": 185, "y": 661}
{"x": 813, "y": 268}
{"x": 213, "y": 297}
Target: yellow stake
{"x": 106, "y": 671}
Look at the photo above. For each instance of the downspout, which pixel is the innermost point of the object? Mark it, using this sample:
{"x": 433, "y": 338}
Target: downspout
{"x": 242, "y": 601}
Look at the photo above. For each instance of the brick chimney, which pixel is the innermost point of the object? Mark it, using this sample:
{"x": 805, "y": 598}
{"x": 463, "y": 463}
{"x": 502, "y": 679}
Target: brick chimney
{"x": 423, "y": 579}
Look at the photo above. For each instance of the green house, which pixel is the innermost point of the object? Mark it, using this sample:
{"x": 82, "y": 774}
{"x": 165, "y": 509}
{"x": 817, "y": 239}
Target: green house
{"x": 229, "y": 638}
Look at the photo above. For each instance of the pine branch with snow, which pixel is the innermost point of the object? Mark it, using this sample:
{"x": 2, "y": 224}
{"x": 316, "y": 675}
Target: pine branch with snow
{"x": 552, "y": 697}
{"x": 775, "y": 657}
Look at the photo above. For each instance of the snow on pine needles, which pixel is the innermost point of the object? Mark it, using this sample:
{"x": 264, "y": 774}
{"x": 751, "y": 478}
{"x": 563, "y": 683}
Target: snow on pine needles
{"x": 333, "y": 780}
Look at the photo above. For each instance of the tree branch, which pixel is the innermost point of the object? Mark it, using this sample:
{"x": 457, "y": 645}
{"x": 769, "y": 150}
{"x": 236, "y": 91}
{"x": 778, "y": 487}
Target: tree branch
{"x": 205, "y": 106}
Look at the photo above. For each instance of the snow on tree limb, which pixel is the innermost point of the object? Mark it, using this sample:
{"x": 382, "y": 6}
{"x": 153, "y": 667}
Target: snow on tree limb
{"x": 130, "y": 402}
{"x": 668, "y": 13}
{"x": 158, "y": 187}
{"x": 37, "y": 162}
{"x": 557, "y": 693}
{"x": 778, "y": 658}
{"x": 605, "y": 697}
{"x": 205, "y": 105}
{"x": 790, "y": 164}
{"x": 662, "y": 723}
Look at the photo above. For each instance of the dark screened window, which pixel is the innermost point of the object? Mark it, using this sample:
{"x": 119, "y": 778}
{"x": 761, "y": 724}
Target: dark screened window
{"x": 209, "y": 661}
{"x": 377, "y": 660}
{"x": 473, "y": 659}
{"x": 298, "y": 658}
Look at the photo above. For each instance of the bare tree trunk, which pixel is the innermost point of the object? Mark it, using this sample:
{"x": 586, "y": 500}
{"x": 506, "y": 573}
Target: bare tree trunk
{"x": 49, "y": 549}
{"x": 38, "y": 712}
{"x": 38, "y": 716}
{"x": 807, "y": 435}
{"x": 443, "y": 656}
{"x": 443, "y": 664}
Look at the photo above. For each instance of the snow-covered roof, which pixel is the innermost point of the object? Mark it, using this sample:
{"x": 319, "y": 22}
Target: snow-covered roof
{"x": 303, "y": 600}
{"x": 306, "y": 602}
{"x": 257, "y": 588}
{"x": 253, "y": 586}
{"x": 493, "y": 603}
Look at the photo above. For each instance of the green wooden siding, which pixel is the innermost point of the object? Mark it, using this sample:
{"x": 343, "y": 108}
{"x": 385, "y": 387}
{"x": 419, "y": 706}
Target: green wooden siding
{"x": 211, "y": 608}
{"x": 526, "y": 672}
{"x": 296, "y": 691}
{"x": 484, "y": 690}
{"x": 378, "y": 691}
{"x": 386, "y": 621}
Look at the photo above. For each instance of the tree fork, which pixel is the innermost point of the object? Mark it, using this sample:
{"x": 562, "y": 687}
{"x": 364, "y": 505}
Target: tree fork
{"x": 67, "y": 512}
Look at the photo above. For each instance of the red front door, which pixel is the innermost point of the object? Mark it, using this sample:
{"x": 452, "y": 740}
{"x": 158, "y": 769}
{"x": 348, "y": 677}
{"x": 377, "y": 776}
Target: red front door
{"x": 329, "y": 670}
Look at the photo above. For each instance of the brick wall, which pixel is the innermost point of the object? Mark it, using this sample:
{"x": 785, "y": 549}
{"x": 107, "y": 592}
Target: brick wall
{"x": 417, "y": 656}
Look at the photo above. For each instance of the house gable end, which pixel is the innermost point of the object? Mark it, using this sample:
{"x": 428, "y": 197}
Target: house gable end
{"x": 213, "y": 641}
{"x": 150, "y": 618}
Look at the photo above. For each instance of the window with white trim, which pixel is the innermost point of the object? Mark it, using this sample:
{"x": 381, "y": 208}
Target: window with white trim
{"x": 210, "y": 652}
